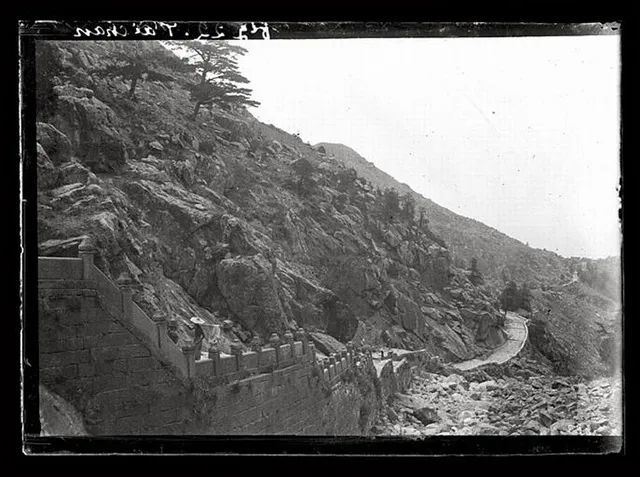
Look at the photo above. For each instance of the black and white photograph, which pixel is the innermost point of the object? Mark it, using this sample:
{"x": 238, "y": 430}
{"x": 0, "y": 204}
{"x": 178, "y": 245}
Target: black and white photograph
{"x": 244, "y": 232}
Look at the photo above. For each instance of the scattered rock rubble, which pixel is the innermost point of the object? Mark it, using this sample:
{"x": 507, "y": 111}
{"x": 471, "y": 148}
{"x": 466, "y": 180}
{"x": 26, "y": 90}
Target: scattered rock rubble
{"x": 539, "y": 405}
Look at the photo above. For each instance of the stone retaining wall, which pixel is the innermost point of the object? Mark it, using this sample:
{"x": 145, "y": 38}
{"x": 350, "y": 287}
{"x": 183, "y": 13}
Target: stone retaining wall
{"x": 99, "y": 351}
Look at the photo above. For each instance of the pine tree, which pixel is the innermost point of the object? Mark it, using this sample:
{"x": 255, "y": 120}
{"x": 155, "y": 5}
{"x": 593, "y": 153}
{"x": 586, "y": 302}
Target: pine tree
{"x": 408, "y": 207}
{"x": 218, "y": 78}
{"x": 139, "y": 64}
{"x": 390, "y": 205}
{"x": 423, "y": 222}
{"x": 475, "y": 276}
{"x": 510, "y": 297}
{"x": 525, "y": 297}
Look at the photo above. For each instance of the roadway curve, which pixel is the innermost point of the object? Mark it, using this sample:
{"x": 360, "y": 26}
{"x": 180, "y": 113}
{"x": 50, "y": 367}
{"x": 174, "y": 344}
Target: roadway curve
{"x": 517, "y": 332}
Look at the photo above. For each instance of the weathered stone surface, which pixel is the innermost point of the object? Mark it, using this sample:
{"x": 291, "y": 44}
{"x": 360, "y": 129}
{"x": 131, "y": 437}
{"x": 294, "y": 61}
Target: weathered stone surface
{"x": 507, "y": 406}
{"x": 426, "y": 415}
{"x": 156, "y": 146}
{"x": 58, "y": 417}
{"x": 326, "y": 344}
{"x": 61, "y": 248}
{"x": 251, "y": 293}
{"x": 48, "y": 175}
{"x": 56, "y": 144}
{"x": 73, "y": 172}
{"x": 91, "y": 127}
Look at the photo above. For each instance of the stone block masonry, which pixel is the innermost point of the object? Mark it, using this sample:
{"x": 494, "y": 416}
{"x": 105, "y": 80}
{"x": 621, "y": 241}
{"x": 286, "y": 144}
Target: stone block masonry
{"x": 292, "y": 400}
{"x": 116, "y": 366}
{"x": 103, "y": 368}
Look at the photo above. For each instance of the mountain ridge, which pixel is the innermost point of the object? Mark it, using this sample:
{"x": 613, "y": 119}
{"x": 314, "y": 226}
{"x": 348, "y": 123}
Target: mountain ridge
{"x": 440, "y": 217}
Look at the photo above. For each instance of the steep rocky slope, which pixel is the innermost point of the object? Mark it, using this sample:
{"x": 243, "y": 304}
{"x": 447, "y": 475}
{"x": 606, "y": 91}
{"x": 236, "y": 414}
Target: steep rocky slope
{"x": 498, "y": 254}
{"x": 229, "y": 219}
{"x": 576, "y": 302}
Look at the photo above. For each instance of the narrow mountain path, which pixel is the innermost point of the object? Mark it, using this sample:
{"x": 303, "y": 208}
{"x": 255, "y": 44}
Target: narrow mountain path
{"x": 540, "y": 404}
{"x": 517, "y": 332}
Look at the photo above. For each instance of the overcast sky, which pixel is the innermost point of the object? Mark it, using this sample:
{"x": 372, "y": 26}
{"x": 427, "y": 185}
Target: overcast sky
{"x": 519, "y": 133}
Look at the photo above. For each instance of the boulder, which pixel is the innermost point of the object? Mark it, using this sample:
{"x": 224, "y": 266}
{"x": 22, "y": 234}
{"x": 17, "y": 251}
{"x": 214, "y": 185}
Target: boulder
{"x": 48, "y": 174}
{"x": 326, "y": 344}
{"x": 410, "y": 401}
{"x": 463, "y": 415}
{"x": 426, "y": 415}
{"x": 251, "y": 293}
{"x": 68, "y": 192}
{"x": 61, "y": 247}
{"x": 156, "y": 146}
{"x": 484, "y": 386}
{"x": 74, "y": 172}
{"x": 91, "y": 127}
{"x": 56, "y": 144}
{"x": 237, "y": 129}
{"x": 455, "y": 379}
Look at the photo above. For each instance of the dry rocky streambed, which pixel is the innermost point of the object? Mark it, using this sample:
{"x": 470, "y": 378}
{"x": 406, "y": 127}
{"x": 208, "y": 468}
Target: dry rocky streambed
{"x": 465, "y": 400}
{"x": 452, "y": 405}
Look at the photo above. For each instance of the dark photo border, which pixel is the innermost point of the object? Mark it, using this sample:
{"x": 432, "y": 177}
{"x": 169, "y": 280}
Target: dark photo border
{"x": 32, "y": 443}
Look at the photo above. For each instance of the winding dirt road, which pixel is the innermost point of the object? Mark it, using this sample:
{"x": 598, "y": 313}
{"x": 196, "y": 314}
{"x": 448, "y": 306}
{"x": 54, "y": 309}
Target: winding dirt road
{"x": 517, "y": 332}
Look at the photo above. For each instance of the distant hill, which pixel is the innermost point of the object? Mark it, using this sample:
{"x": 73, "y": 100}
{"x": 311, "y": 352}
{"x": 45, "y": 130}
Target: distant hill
{"x": 498, "y": 254}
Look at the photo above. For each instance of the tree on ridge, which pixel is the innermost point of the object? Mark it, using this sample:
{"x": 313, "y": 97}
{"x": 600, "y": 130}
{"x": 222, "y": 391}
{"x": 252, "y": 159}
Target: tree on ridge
{"x": 218, "y": 78}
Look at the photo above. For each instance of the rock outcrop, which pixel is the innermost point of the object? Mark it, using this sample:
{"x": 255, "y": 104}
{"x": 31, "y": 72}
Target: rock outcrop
{"x": 91, "y": 127}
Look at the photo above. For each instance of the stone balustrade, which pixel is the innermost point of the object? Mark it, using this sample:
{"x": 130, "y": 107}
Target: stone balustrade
{"x": 117, "y": 299}
{"x": 263, "y": 360}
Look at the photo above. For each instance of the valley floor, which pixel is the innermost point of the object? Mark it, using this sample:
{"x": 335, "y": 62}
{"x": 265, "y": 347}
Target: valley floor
{"x": 539, "y": 405}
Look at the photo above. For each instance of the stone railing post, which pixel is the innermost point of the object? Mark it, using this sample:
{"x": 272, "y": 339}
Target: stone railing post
{"x": 161, "y": 326}
{"x": 288, "y": 338}
{"x": 274, "y": 342}
{"x": 214, "y": 356}
{"x": 86, "y": 251}
{"x": 189, "y": 352}
{"x": 256, "y": 344}
{"x": 312, "y": 351}
{"x": 236, "y": 350}
{"x": 126, "y": 292}
{"x": 302, "y": 336}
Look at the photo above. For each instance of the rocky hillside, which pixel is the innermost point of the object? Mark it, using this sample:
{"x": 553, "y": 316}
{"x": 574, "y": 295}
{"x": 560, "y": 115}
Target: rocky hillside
{"x": 235, "y": 221}
{"x": 576, "y": 304}
{"x": 249, "y": 227}
{"x": 500, "y": 257}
